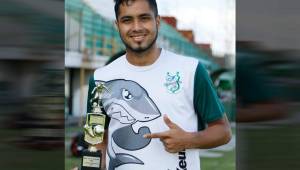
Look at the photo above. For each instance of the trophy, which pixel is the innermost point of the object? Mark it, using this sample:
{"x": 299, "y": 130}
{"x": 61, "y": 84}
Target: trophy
{"x": 94, "y": 131}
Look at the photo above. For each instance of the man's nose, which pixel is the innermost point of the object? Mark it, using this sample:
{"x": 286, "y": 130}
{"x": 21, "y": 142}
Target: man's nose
{"x": 137, "y": 25}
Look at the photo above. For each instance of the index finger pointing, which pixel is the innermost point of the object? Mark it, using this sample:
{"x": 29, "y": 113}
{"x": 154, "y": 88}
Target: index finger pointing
{"x": 156, "y": 135}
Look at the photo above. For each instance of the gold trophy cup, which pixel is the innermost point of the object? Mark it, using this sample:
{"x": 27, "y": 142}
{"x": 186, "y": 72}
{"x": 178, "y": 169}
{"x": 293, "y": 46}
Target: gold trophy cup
{"x": 94, "y": 131}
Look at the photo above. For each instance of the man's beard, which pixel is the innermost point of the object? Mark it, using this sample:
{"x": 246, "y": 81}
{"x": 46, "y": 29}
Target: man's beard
{"x": 140, "y": 49}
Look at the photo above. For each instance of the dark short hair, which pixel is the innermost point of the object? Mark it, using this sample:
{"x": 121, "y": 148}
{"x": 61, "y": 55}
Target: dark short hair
{"x": 152, "y": 4}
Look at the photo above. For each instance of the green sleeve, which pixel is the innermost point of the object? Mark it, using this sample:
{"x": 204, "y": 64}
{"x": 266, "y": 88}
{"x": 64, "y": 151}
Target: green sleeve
{"x": 92, "y": 85}
{"x": 206, "y": 102}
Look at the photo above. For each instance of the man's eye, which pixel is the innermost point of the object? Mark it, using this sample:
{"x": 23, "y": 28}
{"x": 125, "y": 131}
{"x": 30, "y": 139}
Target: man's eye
{"x": 126, "y": 20}
{"x": 126, "y": 95}
{"x": 145, "y": 18}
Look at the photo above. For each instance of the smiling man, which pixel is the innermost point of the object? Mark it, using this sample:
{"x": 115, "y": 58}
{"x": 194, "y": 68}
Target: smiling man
{"x": 138, "y": 25}
{"x": 162, "y": 106}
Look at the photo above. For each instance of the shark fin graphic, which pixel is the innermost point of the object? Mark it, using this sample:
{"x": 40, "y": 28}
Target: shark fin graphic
{"x": 122, "y": 158}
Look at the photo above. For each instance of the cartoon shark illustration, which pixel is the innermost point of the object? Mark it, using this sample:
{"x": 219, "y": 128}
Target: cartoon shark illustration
{"x": 128, "y": 102}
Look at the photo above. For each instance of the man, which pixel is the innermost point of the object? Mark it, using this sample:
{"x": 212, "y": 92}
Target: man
{"x": 162, "y": 106}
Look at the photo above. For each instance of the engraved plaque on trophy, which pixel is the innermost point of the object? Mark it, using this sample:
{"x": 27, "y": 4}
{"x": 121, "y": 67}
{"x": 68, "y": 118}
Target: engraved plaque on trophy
{"x": 94, "y": 131}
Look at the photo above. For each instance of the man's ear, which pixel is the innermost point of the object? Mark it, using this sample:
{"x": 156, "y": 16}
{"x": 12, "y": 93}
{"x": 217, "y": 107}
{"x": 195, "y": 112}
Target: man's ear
{"x": 116, "y": 25}
{"x": 157, "y": 19}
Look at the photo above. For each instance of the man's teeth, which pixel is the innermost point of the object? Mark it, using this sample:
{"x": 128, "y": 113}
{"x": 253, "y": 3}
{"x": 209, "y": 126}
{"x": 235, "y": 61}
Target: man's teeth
{"x": 138, "y": 38}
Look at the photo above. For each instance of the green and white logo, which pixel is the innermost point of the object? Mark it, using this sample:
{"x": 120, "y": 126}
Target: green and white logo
{"x": 173, "y": 82}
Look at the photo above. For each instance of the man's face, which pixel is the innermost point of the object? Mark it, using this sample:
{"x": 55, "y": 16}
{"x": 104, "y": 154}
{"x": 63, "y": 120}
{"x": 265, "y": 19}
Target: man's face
{"x": 138, "y": 26}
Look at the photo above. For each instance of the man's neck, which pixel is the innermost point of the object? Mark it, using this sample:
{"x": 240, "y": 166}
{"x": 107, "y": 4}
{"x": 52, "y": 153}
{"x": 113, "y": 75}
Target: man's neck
{"x": 143, "y": 58}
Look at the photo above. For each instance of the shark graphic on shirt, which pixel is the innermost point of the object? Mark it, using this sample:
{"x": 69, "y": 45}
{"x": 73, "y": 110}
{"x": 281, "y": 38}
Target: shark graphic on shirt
{"x": 128, "y": 102}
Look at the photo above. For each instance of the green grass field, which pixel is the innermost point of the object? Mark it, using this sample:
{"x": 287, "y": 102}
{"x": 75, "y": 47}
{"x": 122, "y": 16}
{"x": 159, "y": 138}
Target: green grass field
{"x": 226, "y": 162}
{"x": 71, "y": 162}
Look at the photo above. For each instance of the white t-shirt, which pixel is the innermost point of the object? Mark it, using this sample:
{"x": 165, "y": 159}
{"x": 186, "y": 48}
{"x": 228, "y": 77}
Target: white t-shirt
{"x": 138, "y": 98}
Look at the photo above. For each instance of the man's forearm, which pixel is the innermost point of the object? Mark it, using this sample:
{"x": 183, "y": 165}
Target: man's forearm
{"x": 216, "y": 134}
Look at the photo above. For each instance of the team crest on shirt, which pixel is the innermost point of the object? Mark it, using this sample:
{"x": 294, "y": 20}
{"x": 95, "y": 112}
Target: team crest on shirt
{"x": 173, "y": 82}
